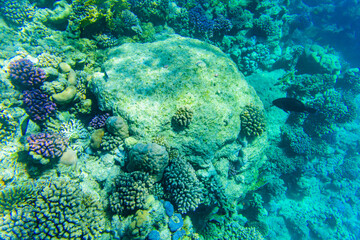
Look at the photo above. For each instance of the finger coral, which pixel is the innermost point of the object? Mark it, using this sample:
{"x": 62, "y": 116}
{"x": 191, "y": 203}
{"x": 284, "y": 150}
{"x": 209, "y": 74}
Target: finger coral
{"x": 38, "y": 105}
{"x": 252, "y": 121}
{"x": 182, "y": 185}
{"x": 23, "y": 73}
{"x": 46, "y": 146}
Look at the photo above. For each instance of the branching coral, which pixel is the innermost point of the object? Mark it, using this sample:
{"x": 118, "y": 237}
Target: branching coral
{"x": 184, "y": 189}
{"x": 16, "y": 12}
{"x": 46, "y": 146}
{"x": 130, "y": 192}
{"x": 182, "y": 118}
{"x": 60, "y": 211}
{"x": 38, "y": 105}
{"x": 23, "y": 73}
{"x": 252, "y": 121}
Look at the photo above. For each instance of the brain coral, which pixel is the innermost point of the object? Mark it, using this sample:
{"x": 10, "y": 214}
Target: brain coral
{"x": 130, "y": 192}
{"x": 60, "y": 211}
{"x": 151, "y": 158}
{"x": 252, "y": 121}
{"x": 184, "y": 189}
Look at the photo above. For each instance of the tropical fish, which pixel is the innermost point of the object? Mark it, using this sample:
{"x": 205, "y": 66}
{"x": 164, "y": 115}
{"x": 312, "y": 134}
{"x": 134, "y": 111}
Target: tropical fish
{"x": 292, "y": 105}
{"x": 24, "y": 125}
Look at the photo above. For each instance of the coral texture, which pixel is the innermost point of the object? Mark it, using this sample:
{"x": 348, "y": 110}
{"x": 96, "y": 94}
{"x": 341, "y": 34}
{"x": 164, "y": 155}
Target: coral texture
{"x": 38, "y": 105}
{"x": 184, "y": 189}
{"x": 23, "y": 73}
{"x": 47, "y": 145}
{"x": 60, "y": 211}
{"x": 99, "y": 121}
{"x": 182, "y": 118}
{"x": 151, "y": 158}
{"x": 130, "y": 192}
{"x": 252, "y": 121}
{"x": 16, "y": 12}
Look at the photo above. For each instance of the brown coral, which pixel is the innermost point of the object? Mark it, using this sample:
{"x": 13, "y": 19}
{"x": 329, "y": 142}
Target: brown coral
{"x": 182, "y": 118}
{"x": 252, "y": 121}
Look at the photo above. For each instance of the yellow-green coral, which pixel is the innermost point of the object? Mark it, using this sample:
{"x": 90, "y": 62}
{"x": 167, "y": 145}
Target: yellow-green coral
{"x": 7, "y": 124}
{"x": 252, "y": 121}
{"x": 13, "y": 196}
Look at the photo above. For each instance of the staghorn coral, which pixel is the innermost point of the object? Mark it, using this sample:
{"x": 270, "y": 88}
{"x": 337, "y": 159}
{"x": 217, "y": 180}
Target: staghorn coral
{"x": 151, "y": 158}
{"x": 182, "y": 118}
{"x": 252, "y": 121}
{"x": 182, "y": 186}
{"x": 46, "y": 146}
{"x": 23, "y": 73}
{"x": 38, "y": 105}
{"x": 130, "y": 192}
{"x": 73, "y": 130}
{"x": 16, "y": 12}
{"x": 60, "y": 211}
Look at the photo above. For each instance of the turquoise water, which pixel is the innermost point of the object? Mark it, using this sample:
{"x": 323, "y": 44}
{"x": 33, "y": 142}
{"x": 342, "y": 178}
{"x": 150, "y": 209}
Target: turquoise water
{"x": 129, "y": 119}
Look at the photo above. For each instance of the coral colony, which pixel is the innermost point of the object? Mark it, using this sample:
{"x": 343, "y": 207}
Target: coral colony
{"x": 181, "y": 120}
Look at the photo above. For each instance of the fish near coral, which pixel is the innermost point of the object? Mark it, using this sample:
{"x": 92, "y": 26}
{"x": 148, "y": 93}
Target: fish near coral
{"x": 292, "y": 105}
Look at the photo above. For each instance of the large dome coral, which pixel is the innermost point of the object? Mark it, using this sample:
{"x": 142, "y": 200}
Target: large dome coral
{"x": 147, "y": 83}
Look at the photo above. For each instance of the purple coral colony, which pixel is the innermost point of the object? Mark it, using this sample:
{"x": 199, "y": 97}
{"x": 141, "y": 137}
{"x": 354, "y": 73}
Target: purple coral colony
{"x": 138, "y": 119}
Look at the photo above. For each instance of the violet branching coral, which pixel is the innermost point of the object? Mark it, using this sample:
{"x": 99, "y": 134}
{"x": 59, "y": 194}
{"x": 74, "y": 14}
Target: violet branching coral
{"x": 99, "y": 121}
{"x": 38, "y": 105}
{"x": 130, "y": 192}
{"x": 46, "y": 146}
{"x": 23, "y": 73}
{"x": 60, "y": 211}
{"x": 184, "y": 189}
{"x": 252, "y": 121}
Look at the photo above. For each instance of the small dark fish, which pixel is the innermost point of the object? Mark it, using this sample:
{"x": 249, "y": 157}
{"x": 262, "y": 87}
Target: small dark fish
{"x": 292, "y": 105}
{"x": 24, "y": 125}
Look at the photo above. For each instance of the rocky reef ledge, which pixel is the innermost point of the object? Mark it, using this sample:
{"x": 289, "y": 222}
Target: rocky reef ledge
{"x": 190, "y": 94}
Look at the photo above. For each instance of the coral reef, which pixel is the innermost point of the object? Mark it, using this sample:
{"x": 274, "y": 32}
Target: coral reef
{"x": 60, "y": 210}
{"x": 7, "y": 125}
{"x": 23, "y": 73}
{"x": 16, "y": 12}
{"x": 296, "y": 140}
{"x": 46, "y": 146}
{"x": 110, "y": 142}
{"x": 184, "y": 189}
{"x": 117, "y": 126}
{"x": 252, "y": 121}
{"x": 38, "y": 105}
{"x": 12, "y": 197}
{"x": 130, "y": 192}
{"x": 99, "y": 121}
{"x": 151, "y": 158}
{"x": 182, "y": 118}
